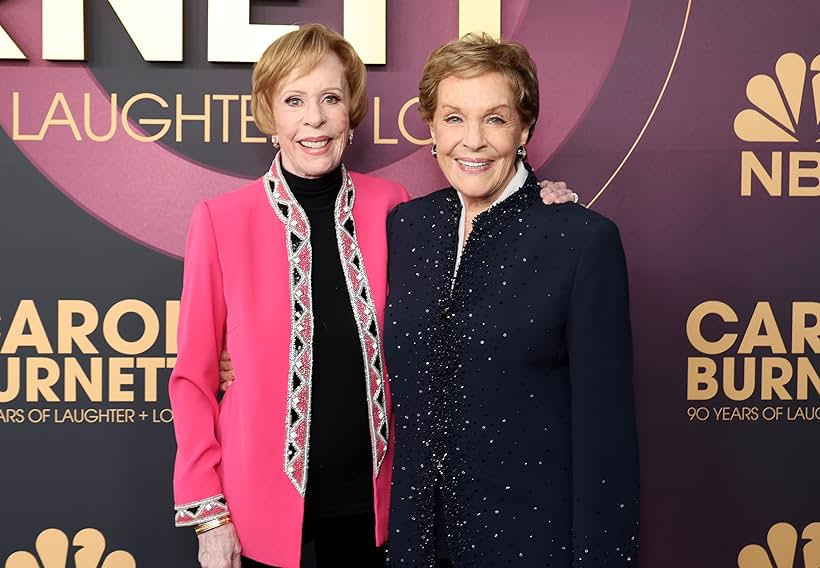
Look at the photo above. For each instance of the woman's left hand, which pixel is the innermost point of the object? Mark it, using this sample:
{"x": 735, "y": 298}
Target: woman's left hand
{"x": 554, "y": 192}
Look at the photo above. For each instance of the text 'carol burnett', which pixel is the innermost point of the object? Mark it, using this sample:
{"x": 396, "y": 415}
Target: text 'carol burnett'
{"x": 123, "y": 355}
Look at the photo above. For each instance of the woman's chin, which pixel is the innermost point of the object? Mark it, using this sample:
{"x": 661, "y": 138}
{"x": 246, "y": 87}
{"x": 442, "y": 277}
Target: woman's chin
{"x": 310, "y": 165}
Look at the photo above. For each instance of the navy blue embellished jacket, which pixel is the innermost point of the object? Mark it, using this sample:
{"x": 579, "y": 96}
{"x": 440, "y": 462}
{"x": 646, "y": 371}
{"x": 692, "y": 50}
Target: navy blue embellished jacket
{"x": 512, "y": 392}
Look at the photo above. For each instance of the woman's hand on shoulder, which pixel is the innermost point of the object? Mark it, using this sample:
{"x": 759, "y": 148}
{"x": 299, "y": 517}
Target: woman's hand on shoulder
{"x": 555, "y": 192}
{"x": 219, "y": 548}
{"x": 226, "y": 374}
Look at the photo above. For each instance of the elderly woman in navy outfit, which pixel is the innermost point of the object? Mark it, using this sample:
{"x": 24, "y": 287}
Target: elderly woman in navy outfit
{"x": 507, "y": 337}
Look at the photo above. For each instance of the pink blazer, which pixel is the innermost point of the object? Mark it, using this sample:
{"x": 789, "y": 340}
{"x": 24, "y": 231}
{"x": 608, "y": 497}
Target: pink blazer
{"x": 247, "y": 286}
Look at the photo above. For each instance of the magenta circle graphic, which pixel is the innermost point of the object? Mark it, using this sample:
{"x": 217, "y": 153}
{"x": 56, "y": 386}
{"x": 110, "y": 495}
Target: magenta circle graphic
{"x": 147, "y": 191}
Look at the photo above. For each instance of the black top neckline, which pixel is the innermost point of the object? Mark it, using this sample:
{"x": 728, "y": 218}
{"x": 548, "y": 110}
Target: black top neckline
{"x": 315, "y": 193}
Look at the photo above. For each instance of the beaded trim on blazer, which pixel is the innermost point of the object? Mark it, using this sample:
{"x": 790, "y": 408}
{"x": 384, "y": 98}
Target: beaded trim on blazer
{"x": 297, "y": 414}
{"x": 365, "y": 313}
{"x": 200, "y": 511}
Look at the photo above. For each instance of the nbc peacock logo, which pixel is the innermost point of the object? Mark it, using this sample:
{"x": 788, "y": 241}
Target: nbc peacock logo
{"x": 782, "y": 548}
{"x": 785, "y": 110}
{"x": 52, "y": 551}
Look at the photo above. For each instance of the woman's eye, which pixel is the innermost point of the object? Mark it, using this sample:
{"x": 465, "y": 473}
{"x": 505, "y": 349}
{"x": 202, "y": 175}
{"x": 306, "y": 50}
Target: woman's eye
{"x": 452, "y": 120}
{"x": 496, "y": 120}
{"x": 332, "y": 99}
{"x": 292, "y": 101}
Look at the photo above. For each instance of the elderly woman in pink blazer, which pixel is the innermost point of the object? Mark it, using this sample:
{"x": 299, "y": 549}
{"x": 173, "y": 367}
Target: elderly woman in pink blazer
{"x": 289, "y": 274}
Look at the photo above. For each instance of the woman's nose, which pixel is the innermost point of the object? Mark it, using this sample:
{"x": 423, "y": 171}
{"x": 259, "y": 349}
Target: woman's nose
{"x": 314, "y": 114}
{"x": 473, "y": 136}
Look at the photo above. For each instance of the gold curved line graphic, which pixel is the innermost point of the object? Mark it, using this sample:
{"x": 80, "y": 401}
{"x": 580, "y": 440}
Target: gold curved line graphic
{"x": 654, "y": 108}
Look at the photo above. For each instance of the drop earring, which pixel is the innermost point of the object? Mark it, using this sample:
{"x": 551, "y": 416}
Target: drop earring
{"x": 275, "y": 141}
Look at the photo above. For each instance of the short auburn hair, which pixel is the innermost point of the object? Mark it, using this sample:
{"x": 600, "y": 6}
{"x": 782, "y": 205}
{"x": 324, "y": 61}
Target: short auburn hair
{"x": 304, "y": 49}
{"x": 474, "y": 55}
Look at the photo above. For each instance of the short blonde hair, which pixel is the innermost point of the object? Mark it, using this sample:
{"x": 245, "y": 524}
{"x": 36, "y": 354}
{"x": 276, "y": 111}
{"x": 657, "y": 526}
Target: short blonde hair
{"x": 304, "y": 49}
{"x": 476, "y": 54}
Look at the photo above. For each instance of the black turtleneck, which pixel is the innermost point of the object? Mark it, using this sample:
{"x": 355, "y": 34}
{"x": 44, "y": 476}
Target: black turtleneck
{"x": 340, "y": 460}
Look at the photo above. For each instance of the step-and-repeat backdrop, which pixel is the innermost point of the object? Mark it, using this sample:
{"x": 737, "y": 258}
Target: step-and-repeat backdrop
{"x": 693, "y": 124}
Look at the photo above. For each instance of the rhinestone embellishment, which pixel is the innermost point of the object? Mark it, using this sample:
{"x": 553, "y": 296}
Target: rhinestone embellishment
{"x": 297, "y": 418}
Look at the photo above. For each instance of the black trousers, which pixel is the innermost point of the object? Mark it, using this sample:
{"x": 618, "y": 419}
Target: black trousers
{"x": 339, "y": 541}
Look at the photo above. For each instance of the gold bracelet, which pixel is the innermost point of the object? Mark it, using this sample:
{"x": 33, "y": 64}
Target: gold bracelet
{"x": 212, "y": 524}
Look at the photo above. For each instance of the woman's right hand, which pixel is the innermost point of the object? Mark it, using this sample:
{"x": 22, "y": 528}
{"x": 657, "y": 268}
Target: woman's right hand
{"x": 219, "y": 548}
{"x": 226, "y": 375}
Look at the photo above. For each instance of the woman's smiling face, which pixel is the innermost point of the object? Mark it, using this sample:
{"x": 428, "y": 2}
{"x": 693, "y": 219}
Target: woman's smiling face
{"x": 311, "y": 113}
{"x": 477, "y": 131}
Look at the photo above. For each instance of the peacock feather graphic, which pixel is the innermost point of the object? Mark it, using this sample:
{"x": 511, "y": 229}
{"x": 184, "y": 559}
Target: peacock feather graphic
{"x": 777, "y": 102}
{"x": 782, "y": 548}
{"x": 52, "y": 548}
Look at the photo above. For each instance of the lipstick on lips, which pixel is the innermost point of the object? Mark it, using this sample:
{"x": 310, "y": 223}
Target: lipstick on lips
{"x": 474, "y": 165}
{"x": 315, "y": 145}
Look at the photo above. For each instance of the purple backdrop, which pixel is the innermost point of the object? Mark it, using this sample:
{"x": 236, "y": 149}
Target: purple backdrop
{"x": 639, "y": 102}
